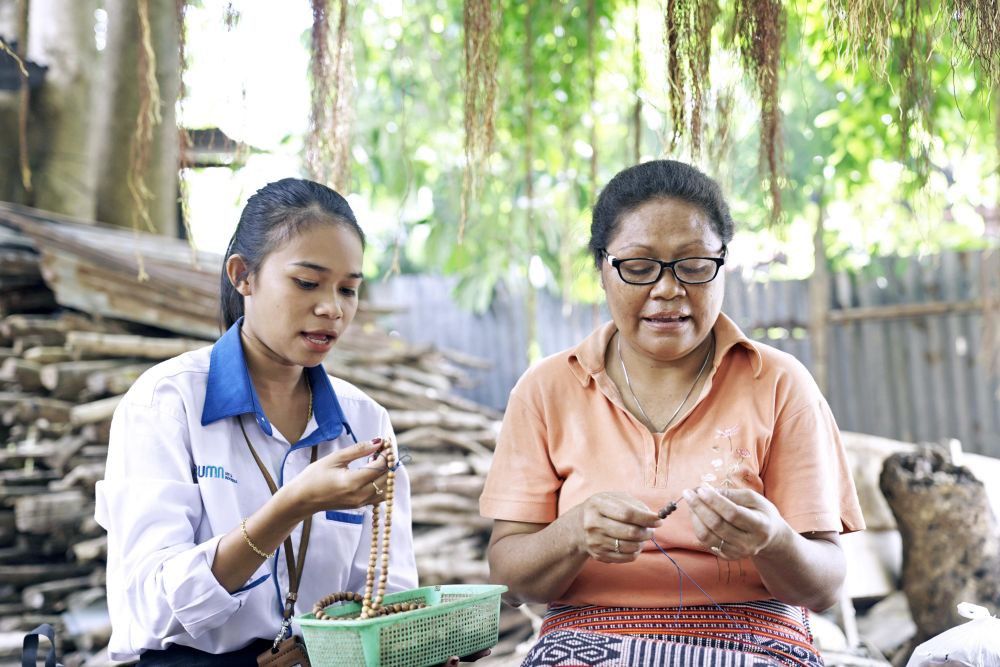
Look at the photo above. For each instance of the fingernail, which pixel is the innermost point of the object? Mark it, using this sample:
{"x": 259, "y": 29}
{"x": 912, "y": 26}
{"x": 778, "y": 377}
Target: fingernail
{"x": 377, "y": 441}
{"x": 704, "y": 491}
{"x": 688, "y": 495}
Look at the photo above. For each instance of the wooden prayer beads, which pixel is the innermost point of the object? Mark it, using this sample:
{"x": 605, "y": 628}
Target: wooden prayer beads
{"x": 323, "y": 603}
{"x": 320, "y": 614}
{"x": 398, "y": 607}
{"x": 668, "y": 510}
{"x": 371, "y": 601}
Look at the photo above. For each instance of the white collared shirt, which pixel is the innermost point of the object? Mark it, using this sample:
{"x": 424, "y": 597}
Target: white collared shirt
{"x": 174, "y": 486}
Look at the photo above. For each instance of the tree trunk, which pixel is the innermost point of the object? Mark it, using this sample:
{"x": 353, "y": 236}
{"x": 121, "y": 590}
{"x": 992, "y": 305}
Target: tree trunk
{"x": 11, "y": 188}
{"x": 121, "y": 96}
{"x": 951, "y": 541}
{"x": 60, "y": 117}
{"x": 61, "y": 36}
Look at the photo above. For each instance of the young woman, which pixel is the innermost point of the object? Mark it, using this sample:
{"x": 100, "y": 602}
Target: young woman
{"x": 221, "y": 458}
{"x": 669, "y": 407}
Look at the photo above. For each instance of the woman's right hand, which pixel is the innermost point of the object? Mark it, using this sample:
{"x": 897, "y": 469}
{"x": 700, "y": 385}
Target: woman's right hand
{"x": 614, "y": 526}
{"x": 531, "y": 559}
{"x": 328, "y": 484}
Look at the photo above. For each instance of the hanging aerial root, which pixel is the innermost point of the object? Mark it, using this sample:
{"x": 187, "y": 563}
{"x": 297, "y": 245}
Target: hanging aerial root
{"x": 688, "y": 46}
{"x": 481, "y": 53}
{"x": 760, "y": 29}
{"x": 147, "y": 119}
{"x": 979, "y": 32}
{"x": 867, "y": 25}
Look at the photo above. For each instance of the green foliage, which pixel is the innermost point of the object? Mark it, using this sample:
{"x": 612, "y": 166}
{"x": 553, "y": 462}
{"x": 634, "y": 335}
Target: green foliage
{"x": 409, "y": 114}
{"x": 842, "y": 144}
{"x": 850, "y": 148}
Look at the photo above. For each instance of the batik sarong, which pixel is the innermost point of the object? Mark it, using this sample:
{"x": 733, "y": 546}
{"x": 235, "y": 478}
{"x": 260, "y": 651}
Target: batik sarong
{"x": 753, "y": 634}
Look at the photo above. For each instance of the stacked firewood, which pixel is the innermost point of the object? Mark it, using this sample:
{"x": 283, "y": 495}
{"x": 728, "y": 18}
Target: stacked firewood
{"x": 63, "y": 371}
{"x": 22, "y": 288}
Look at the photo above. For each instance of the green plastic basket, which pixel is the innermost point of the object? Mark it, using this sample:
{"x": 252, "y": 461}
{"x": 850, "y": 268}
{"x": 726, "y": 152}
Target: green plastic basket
{"x": 458, "y": 620}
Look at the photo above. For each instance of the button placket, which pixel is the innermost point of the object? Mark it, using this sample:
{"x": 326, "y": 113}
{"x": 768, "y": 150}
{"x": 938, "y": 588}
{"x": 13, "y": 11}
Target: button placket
{"x": 649, "y": 467}
{"x": 663, "y": 461}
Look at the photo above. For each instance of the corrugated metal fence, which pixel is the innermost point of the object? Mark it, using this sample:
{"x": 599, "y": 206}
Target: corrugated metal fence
{"x": 906, "y": 356}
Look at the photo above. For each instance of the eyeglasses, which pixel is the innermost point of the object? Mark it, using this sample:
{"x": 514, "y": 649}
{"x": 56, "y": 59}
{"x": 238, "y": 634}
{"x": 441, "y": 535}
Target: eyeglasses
{"x": 687, "y": 270}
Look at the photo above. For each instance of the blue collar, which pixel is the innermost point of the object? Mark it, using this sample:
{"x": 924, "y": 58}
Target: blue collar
{"x": 230, "y": 392}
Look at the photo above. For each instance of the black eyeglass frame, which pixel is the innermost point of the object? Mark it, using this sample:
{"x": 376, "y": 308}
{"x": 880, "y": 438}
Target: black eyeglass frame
{"x": 616, "y": 263}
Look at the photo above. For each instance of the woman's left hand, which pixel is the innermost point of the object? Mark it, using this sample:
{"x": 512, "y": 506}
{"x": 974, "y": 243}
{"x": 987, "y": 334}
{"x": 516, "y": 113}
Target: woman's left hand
{"x": 734, "y": 523}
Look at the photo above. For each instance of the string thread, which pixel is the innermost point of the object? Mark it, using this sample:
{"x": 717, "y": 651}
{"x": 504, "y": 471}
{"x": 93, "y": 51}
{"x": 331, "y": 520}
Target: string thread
{"x": 681, "y": 573}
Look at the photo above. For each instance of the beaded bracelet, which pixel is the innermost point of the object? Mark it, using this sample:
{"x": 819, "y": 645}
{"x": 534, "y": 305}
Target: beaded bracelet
{"x": 257, "y": 550}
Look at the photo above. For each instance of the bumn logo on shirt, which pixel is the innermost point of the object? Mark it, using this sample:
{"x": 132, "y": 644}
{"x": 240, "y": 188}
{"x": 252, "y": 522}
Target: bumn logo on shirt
{"x": 216, "y": 472}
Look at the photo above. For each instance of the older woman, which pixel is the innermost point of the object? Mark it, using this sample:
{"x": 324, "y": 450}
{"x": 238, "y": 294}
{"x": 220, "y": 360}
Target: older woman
{"x": 673, "y": 490}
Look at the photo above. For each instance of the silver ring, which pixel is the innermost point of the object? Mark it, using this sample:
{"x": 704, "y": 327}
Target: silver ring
{"x": 718, "y": 549}
{"x": 618, "y": 546}
{"x": 377, "y": 490}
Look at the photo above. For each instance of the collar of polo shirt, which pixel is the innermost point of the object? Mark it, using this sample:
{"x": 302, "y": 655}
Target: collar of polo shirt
{"x": 229, "y": 392}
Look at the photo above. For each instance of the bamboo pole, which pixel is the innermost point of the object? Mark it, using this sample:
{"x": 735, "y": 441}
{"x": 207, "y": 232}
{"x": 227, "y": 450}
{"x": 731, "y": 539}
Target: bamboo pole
{"x": 96, "y": 411}
{"x": 116, "y": 380}
{"x": 47, "y": 354}
{"x": 902, "y": 310}
{"x": 123, "y": 345}
{"x": 25, "y": 374}
{"x": 68, "y": 378}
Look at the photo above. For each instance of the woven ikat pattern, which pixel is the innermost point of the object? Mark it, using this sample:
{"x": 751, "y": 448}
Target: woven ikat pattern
{"x": 754, "y": 634}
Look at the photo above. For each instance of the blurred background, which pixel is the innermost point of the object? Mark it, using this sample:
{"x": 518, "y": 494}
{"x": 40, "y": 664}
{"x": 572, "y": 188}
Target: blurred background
{"x": 857, "y": 142}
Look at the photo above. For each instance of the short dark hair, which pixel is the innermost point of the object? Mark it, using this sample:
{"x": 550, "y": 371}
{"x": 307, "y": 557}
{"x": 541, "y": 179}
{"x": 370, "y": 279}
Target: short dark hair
{"x": 657, "y": 179}
{"x": 273, "y": 215}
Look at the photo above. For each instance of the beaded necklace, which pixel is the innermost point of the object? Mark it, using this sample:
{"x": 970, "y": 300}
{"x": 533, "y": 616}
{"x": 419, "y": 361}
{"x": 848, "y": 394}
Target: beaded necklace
{"x": 309, "y": 388}
{"x": 368, "y": 603}
{"x": 371, "y": 601}
{"x": 635, "y": 399}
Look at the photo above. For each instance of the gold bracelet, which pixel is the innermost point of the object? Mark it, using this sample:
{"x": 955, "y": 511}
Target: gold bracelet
{"x": 257, "y": 550}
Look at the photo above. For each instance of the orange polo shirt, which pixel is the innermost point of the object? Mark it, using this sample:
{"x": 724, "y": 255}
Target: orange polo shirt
{"x": 760, "y": 422}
